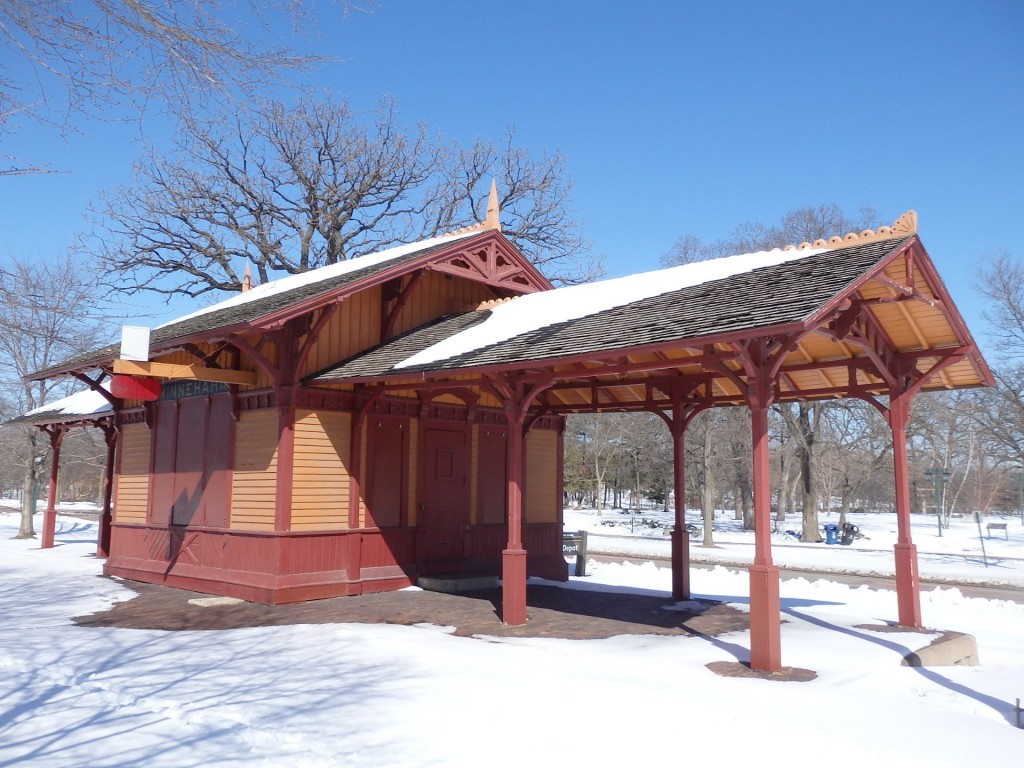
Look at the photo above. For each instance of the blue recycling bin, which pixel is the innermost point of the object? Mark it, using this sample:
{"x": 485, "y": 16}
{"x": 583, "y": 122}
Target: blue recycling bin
{"x": 831, "y": 533}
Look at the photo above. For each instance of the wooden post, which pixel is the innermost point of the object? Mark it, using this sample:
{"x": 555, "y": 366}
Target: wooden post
{"x": 908, "y": 581}
{"x": 515, "y": 396}
{"x": 285, "y": 385}
{"x": 680, "y": 536}
{"x": 765, "y": 605}
{"x": 56, "y": 435}
{"x": 110, "y": 433}
{"x": 513, "y": 558}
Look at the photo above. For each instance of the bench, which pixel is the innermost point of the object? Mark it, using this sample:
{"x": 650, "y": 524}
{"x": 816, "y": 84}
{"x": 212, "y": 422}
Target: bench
{"x": 997, "y": 527}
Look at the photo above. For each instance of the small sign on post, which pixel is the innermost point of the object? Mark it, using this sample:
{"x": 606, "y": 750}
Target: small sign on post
{"x": 576, "y": 544}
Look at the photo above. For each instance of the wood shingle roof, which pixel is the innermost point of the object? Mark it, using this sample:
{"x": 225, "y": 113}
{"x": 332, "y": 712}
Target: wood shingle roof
{"x": 779, "y": 295}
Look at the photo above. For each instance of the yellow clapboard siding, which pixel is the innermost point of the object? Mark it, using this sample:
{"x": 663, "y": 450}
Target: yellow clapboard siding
{"x": 254, "y": 482}
{"x": 320, "y": 481}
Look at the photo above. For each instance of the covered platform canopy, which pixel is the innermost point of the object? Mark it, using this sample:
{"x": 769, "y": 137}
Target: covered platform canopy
{"x": 864, "y": 315}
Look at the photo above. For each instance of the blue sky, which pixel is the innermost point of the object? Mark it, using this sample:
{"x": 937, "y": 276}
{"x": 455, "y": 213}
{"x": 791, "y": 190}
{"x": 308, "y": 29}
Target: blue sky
{"x": 674, "y": 117}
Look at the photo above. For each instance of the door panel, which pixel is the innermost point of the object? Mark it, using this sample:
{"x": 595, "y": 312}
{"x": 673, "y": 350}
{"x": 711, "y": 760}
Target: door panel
{"x": 188, "y": 465}
{"x": 165, "y": 433}
{"x": 444, "y": 493}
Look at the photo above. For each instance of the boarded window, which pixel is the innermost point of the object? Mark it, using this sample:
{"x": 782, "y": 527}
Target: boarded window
{"x": 388, "y": 470}
{"x": 492, "y": 485}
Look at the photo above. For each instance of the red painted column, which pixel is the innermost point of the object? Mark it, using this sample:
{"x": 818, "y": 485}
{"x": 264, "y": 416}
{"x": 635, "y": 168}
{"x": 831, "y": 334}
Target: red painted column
{"x": 106, "y": 516}
{"x": 285, "y": 459}
{"x": 765, "y": 606}
{"x": 50, "y": 515}
{"x": 908, "y": 581}
{"x": 354, "y": 543}
{"x": 513, "y": 558}
{"x": 287, "y": 353}
{"x": 680, "y": 537}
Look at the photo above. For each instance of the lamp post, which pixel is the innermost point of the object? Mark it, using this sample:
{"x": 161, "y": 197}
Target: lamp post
{"x": 939, "y": 477}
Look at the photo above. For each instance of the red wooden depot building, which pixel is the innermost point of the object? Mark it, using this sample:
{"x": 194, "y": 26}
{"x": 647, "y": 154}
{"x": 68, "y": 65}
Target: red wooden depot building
{"x": 354, "y": 428}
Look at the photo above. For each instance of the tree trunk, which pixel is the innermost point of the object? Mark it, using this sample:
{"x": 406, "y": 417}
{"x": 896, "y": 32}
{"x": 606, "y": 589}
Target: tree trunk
{"x": 707, "y": 501}
{"x": 747, "y": 499}
{"x": 783, "y": 506}
{"x": 27, "y": 530}
{"x": 636, "y": 478}
{"x": 810, "y": 530}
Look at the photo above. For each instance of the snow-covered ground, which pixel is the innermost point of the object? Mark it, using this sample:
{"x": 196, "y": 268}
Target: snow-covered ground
{"x": 959, "y": 555}
{"x": 361, "y": 695}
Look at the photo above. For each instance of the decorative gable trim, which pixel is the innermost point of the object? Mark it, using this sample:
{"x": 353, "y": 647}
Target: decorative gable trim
{"x": 495, "y": 263}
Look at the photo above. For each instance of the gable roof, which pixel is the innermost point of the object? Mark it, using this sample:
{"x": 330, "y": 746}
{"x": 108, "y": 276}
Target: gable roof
{"x": 287, "y": 297}
{"x": 783, "y": 291}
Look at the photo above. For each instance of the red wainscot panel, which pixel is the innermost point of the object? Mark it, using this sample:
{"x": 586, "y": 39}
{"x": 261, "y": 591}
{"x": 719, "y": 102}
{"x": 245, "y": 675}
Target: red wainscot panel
{"x": 387, "y": 558}
{"x": 543, "y": 543}
{"x": 237, "y": 564}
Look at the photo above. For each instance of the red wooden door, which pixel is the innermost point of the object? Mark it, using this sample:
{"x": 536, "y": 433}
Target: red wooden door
{"x": 444, "y": 493}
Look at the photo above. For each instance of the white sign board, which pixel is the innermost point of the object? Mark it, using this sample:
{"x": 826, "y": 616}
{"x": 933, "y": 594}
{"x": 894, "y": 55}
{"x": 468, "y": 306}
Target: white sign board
{"x": 134, "y": 342}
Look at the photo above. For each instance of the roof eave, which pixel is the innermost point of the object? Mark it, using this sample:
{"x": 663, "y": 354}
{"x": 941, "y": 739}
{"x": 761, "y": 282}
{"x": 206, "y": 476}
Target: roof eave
{"x": 422, "y": 374}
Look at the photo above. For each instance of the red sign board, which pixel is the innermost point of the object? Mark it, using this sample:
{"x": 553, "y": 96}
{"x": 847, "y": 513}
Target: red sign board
{"x": 135, "y": 387}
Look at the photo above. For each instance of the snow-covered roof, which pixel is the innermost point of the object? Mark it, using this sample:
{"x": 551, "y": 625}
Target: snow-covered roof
{"x": 84, "y": 404}
{"x": 700, "y": 300}
{"x": 276, "y": 296}
{"x": 547, "y": 308}
{"x": 320, "y": 275}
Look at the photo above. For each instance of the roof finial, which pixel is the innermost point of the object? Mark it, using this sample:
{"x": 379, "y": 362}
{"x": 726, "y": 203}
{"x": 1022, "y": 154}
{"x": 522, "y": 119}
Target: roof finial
{"x": 247, "y": 280}
{"x": 492, "y": 221}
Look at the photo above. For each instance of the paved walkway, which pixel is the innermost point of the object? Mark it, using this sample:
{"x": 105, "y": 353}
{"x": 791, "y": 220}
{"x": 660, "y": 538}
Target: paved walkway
{"x": 551, "y": 612}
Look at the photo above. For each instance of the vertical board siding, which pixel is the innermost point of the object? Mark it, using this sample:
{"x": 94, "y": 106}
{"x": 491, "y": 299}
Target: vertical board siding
{"x": 132, "y": 493}
{"x": 320, "y": 485}
{"x": 436, "y": 295}
{"x": 353, "y": 327}
{"x": 540, "y": 504}
{"x": 254, "y": 483}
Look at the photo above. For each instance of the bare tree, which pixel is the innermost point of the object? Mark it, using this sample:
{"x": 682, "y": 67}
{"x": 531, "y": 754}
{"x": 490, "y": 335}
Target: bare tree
{"x": 289, "y": 190}
{"x": 703, "y": 474}
{"x": 121, "y": 57}
{"x": 857, "y": 445}
{"x": 1000, "y": 280}
{"x": 48, "y": 312}
{"x": 800, "y": 225}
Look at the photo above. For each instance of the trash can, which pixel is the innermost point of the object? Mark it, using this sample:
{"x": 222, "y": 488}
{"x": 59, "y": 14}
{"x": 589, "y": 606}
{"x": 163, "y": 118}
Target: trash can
{"x": 849, "y": 534}
{"x": 831, "y": 533}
